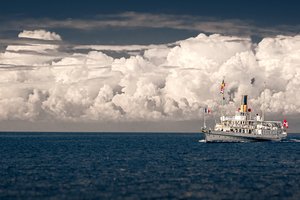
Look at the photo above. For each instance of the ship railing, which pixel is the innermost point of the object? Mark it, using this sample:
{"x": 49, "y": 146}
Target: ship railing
{"x": 267, "y": 132}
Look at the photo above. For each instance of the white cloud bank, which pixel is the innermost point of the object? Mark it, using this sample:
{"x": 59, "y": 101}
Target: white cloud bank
{"x": 39, "y": 34}
{"x": 162, "y": 83}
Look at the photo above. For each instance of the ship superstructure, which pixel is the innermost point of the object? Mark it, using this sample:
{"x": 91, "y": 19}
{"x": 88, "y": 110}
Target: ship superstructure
{"x": 243, "y": 127}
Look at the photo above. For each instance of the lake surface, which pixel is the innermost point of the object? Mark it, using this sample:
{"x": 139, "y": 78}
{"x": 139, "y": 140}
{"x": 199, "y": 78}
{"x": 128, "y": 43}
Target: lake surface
{"x": 145, "y": 166}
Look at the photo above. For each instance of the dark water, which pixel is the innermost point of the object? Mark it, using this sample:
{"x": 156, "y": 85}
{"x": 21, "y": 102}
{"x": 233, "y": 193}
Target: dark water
{"x": 145, "y": 166}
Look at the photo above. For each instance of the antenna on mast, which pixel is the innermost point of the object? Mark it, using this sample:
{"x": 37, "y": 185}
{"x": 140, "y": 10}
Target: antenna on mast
{"x": 204, "y": 121}
{"x": 263, "y": 104}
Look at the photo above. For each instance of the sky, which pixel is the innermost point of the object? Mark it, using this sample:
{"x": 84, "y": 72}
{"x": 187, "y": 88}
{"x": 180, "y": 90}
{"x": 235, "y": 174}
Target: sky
{"x": 145, "y": 65}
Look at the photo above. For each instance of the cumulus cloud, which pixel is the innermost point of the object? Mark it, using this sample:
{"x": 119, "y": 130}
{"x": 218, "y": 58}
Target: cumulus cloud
{"x": 39, "y": 34}
{"x": 162, "y": 82}
{"x": 34, "y": 53}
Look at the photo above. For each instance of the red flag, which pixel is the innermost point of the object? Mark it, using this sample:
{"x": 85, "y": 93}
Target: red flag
{"x": 207, "y": 110}
{"x": 285, "y": 123}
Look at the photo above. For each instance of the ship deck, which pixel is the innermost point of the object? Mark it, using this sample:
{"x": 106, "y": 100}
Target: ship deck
{"x": 221, "y": 136}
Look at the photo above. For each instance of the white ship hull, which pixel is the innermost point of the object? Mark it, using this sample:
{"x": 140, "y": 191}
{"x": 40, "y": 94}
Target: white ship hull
{"x": 220, "y": 136}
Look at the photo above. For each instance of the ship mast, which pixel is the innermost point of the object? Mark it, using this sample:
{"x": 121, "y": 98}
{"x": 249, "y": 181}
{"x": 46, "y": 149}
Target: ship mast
{"x": 204, "y": 121}
{"x": 263, "y": 104}
{"x": 222, "y": 91}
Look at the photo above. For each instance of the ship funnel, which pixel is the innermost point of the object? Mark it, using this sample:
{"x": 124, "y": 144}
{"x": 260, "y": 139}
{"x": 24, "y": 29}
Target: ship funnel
{"x": 244, "y": 104}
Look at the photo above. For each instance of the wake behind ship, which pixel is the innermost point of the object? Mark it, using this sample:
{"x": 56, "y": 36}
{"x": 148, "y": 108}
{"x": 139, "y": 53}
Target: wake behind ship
{"x": 243, "y": 128}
